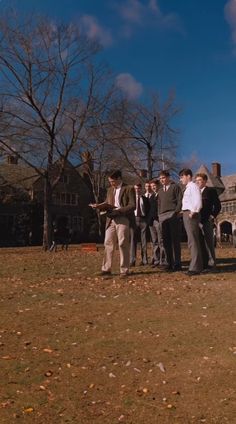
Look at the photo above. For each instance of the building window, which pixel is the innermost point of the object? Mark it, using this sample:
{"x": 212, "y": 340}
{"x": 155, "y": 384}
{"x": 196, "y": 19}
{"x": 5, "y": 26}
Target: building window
{"x": 65, "y": 198}
{"x": 78, "y": 223}
{"x": 64, "y": 179}
{"x": 229, "y": 207}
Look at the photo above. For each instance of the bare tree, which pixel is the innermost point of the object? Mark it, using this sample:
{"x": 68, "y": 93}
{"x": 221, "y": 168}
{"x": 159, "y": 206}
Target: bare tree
{"x": 49, "y": 89}
{"x": 145, "y": 135}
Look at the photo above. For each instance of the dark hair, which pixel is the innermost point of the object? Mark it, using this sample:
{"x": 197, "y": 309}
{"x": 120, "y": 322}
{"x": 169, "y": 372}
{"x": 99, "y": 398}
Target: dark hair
{"x": 202, "y": 175}
{"x": 155, "y": 182}
{"x": 138, "y": 184}
{"x": 185, "y": 171}
{"x": 164, "y": 173}
{"x": 115, "y": 175}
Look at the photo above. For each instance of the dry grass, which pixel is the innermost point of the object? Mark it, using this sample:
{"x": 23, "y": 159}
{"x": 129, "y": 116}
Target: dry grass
{"x": 76, "y": 348}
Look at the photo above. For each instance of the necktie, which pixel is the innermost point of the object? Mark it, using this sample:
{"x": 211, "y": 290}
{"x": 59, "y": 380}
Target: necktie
{"x": 139, "y": 213}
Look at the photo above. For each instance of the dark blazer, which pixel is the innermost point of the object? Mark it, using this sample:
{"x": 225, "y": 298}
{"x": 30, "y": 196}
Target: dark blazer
{"x": 146, "y": 205}
{"x": 127, "y": 201}
{"x": 153, "y": 209}
{"x": 210, "y": 204}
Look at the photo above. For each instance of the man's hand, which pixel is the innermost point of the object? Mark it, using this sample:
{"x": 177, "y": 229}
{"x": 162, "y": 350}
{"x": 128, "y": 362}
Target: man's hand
{"x": 193, "y": 214}
{"x": 93, "y": 205}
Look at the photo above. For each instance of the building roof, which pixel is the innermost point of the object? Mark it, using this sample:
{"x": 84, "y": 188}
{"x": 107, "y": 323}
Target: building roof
{"x": 213, "y": 181}
{"x": 17, "y": 175}
{"x": 229, "y": 182}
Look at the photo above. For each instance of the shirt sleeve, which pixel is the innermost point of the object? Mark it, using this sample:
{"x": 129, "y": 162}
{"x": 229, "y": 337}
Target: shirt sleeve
{"x": 196, "y": 197}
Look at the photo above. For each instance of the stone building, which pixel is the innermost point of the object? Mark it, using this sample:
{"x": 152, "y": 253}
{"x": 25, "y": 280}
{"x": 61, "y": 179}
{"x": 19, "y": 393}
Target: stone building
{"x": 227, "y": 219}
{"x": 21, "y": 204}
{"x": 226, "y": 188}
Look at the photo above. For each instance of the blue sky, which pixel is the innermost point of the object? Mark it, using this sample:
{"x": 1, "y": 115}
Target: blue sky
{"x": 158, "y": 45}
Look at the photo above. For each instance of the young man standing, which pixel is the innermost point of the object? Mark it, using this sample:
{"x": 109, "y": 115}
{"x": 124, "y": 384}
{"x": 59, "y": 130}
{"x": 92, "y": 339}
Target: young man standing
{"x": 148, "y": 190}
{"x": 211, "y": 207}
{"x": 169, "y": 206}
{"x": 158, "y": 253}
{"x": 141, "y": 213}
{"x": 191, "y": 206}
{"x": 121, "y": 198}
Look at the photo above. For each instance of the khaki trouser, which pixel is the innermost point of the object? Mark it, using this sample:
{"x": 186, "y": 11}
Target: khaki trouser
{"x": 118, "y": 231}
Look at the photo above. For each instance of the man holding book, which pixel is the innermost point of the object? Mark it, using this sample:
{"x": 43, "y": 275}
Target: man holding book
{"x": 120, "y": 204}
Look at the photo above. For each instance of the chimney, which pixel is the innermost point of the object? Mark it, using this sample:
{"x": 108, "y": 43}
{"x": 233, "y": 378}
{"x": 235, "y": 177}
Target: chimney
{"x": 216, "y": 169}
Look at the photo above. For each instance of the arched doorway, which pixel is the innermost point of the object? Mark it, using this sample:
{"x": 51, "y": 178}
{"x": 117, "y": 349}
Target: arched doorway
{"x": 225, "y": 231}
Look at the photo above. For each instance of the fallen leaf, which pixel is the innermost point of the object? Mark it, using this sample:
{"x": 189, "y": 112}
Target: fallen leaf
{"x": 28, "y": 410}
{"x": 48, "y": 373}
{"x": 161, "y": 366}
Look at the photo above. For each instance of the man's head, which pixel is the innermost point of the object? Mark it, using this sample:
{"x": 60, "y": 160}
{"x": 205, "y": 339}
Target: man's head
{"x": 115, "y": 178}
{"x": 185, "y": 176}
{"x": 164, "y": 177}
{"x": 155, "y": 185}
{"x": 201, "y": 180}
{"x": 148, "y": 188}
{"x": 138, "y": 188}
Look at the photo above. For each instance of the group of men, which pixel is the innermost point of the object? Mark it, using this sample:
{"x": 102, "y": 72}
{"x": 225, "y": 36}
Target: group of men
{"x": 131, "y": 213}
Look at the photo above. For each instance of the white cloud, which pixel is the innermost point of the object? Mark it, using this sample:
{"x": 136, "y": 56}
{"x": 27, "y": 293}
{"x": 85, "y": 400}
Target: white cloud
{"x": 135, "y": 13}
{"x": 95, "y": 31}
{"x": 132, "y": 11}
{"x": 154, "y": 6}
{"x": 128, "y": 84}
{"x": 230, "y": 16}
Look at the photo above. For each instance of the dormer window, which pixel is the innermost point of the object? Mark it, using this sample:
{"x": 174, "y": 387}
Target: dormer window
{"x": 232, "y": 189}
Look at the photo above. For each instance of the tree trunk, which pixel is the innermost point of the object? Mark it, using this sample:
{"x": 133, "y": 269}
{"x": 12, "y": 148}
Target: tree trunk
{"x": 47, "y": 218}
{"x": 99, "y": 224}
{"x": 149, "y": 162}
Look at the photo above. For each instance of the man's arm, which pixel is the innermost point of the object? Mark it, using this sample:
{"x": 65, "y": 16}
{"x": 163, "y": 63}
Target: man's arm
{"x": 216, "y": 205}
{"x": 130, "y": 205}
{"x": 179, "y": 197}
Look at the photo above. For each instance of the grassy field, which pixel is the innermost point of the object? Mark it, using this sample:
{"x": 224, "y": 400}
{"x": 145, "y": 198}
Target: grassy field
{"x": 158, "y": 348}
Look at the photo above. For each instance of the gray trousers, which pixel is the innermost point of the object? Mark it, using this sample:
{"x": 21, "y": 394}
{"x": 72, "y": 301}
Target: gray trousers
{"x": 207, "y": 243}
{"x": 171, "y": 235}
{"x": 158, "y": 252}
{"x": 141, "y": 227}
{"x": 192, "y": 229}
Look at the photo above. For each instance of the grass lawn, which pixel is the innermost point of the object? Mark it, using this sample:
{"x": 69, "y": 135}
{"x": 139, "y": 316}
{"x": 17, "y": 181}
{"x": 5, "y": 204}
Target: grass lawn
{"x": 157, "y": 348}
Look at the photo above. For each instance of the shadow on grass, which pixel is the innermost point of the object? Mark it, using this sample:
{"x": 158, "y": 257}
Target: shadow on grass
{"x": 226, "y": 264}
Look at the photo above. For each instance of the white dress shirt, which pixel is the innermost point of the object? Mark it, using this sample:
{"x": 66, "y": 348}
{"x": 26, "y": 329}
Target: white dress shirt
{"x": 117, "y": 196}
{"x": 192, "y": 198}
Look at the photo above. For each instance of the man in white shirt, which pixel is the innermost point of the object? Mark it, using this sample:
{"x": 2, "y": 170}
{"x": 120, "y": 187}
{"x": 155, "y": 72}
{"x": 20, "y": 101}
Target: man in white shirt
{"x": 191, "y": 206}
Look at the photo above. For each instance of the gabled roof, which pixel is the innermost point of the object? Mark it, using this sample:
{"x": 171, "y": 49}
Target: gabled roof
{"x": 216, "y": 182}
{"x": 229, "y": 182}
{"x": 17, "y": 175}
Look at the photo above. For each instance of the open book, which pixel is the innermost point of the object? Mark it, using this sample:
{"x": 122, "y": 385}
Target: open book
{"x": 103, "y": 206}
